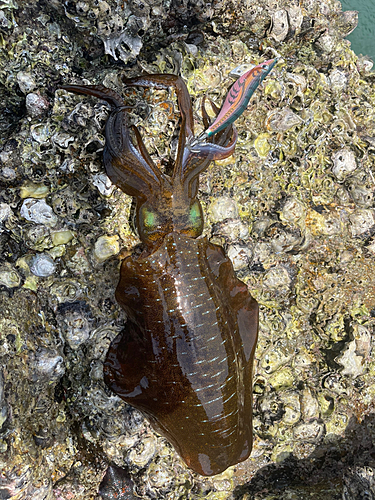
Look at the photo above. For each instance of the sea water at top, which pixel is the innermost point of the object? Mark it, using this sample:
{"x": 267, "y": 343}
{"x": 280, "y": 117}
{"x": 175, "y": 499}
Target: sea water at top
{"x": 363, "y": 37}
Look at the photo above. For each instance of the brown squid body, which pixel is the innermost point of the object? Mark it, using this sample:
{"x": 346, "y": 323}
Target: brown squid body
{"x": 185, "y": 356}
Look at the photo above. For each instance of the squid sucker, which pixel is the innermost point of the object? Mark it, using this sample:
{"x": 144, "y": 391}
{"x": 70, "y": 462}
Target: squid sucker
{"x": 185, "y": 356}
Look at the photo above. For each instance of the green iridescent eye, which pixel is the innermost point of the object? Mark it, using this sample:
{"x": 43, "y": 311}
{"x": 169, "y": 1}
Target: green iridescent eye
{"x": 149, "y": 219}
{"x": 195, "y": 215}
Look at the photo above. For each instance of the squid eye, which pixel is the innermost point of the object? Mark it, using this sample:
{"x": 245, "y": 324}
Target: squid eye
{"x": 150, "y": 219}
{"x": 195, "y": 215}
{"x": 151, "y": 224}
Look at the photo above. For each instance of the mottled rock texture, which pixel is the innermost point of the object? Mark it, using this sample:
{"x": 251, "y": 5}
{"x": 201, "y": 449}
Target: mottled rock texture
{"x": 294, "y": 207}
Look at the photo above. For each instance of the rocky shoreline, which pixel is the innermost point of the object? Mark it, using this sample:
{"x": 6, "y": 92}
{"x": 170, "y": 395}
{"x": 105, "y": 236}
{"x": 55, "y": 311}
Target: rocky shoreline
{"x": 294, "y": 208}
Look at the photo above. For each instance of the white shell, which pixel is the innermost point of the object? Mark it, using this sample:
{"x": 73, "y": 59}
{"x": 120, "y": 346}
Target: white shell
{"x": 326, "y": 43}
{"x": 338, "y": 79}
{"x": 276, "y": 277}
{"x": 142, "y": 454}
{"x": 292, "y": 408}
{"x": 36, "y": 104}
{"x": 106, "y": 247}
{"x": 103, "y": 183}
{"x": 26, "y": 82}
{"x": 361, "y": 195}
{"x": 343, "y": 163}
{"x": 42, "y": 265}
{"x": 9, "y": 277}
{"x": 353, "y": 364}
{"x": 75, "y": 321}
{"x": 114, "y": 46}
{"x": 5, "y": 212}
{"x": 295, "y": 15}
{"x": 293, "y": 210}
{"x": 38, "y": 211}
{"x": 45, "y": 364}
{"x": 299, "y": 80}
{"x": 364, "y": 64}
{"x": 311, "y": 431}
{"x": 309, "y": 405}
{"x": 240, "y": 256}
{"x": 362, "y": 220}
{"x": 223, "y": 208}
{"x": 233, "y": 230}
{"x": 280, "y": 25}
{"x": 3, "y": 405}
{"x": 41, "y": 132}
{"x": 283, "y": 120}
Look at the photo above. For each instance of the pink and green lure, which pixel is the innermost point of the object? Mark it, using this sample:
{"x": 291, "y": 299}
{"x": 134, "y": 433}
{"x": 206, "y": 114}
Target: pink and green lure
{"x": 238, "y": 97}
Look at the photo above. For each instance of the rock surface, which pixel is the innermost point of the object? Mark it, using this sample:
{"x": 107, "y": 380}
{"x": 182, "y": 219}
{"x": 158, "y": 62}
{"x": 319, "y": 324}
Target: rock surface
{"x": 294, "y": 208}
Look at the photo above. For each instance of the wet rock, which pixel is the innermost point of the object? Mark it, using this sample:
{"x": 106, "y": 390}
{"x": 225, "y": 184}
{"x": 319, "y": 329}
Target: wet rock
{"x": 116, "y": 485}
{"x": 45, "y": 365}
{"x": 287, "y": 207}
{"x": 359, "y": 483}
{"x": 75, "y": 319}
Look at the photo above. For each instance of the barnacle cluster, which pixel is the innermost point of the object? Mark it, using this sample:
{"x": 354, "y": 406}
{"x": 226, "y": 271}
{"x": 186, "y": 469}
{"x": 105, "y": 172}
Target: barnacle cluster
{"x": 294, "y": 208}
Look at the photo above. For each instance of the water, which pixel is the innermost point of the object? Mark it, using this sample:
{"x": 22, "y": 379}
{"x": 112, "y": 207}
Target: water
{"x": 363, "y": 37}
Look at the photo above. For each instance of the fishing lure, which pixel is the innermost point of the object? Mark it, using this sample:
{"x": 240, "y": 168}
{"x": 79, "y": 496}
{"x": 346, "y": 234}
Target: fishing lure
{"x": 185, "y": 355}
{"x": 238, "y": 97}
